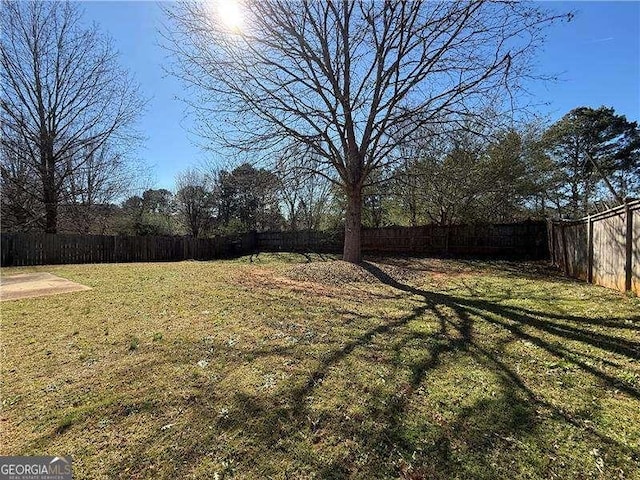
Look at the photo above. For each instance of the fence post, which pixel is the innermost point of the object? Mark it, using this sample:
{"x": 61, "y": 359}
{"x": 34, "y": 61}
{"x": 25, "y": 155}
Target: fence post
{"x": 552, "y": 242}
{"x": 589, "y": 249}
{"x": 7, "y": 251}
{"x": 628, "y": 213}
{"x": 446, "y": 238}
{"x": 565, "y": 256}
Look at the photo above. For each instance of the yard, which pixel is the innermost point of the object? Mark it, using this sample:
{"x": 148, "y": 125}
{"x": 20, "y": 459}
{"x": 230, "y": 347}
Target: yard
{"x": 284, "y": 368}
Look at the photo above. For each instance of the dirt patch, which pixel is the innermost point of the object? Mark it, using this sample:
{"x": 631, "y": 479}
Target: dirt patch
{"x": 337, "y": 277}
{"x": 263, "y": 278}
{"x": 335, "y": 272}
{"x": 352, "y": 286}
{"x": 339, "y": 273}
{"x": 28, "y": 285}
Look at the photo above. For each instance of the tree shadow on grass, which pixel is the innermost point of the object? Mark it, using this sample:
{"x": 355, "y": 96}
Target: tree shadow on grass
{"x": 284, "y": 433}
{"x": 286, "y": 437}
{"x": 527, "y": 269}
{"x": 514, "y": 319}
{"x": 475, "y": 429}
{"x": 282, "y": 426}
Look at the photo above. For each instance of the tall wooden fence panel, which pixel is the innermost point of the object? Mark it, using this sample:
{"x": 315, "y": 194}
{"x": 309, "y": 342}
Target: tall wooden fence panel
{"x": 603, "y": 249}
{"x": 521, "y": 239}
{"x": 321, "y": 242}
{"x": 635, "y": 253}
{"x": 23, "y": 249}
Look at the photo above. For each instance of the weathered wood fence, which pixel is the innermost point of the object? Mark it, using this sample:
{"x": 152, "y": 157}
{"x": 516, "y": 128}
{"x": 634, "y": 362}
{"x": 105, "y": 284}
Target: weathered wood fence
{"x": 21, "y": 249}
{"x": 520, "y": 239}
{"x": 603, "y": 249}
{"x": 302, "y": 241}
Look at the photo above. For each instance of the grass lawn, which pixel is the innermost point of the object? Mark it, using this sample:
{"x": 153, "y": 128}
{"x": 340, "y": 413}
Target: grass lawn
{"x": 283, "y": 369}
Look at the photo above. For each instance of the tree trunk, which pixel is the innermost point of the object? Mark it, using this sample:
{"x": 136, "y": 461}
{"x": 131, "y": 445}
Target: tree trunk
{"x": 413, "y": 208}
{"x": 50, "y": 209}
{"x": 293, "y": 219}
{"x": 50, "y": 196}
{"x": 353, "y": 226}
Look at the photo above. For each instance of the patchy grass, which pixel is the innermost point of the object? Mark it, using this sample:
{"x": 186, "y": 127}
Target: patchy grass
{"x": 278, "y": 368}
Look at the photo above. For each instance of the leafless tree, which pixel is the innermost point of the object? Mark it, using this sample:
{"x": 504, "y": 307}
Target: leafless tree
{"x": 290, "y": 184}
{"x": 92, "y": 184}
{"x": 344, "y": 77}
{"x": 315, "y": 196}
{"x": 64, "y": 96}
{"x": 304, "y": 193}
{"x": 21, "y": 210}
{"x": 194, "y": 201}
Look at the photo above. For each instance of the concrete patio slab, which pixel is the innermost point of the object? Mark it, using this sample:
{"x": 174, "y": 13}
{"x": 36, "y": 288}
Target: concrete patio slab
{"x": 28, "y": 285}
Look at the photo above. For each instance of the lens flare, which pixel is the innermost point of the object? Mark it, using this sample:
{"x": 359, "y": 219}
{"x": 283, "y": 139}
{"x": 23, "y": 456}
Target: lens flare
{"x": 230, "y": 14}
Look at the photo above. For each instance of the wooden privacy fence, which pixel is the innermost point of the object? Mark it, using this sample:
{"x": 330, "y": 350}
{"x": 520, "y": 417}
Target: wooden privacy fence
{"x": 519, "y": 239}
{"x": 21, "y": 249}
{"x": 522, "y": 239}
{"x": 321, "y": 242}
{"x": 603, "y": 249}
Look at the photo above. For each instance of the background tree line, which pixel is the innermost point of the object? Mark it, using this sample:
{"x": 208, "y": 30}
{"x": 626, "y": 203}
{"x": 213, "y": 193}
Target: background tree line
{"x": 585, "y": 162}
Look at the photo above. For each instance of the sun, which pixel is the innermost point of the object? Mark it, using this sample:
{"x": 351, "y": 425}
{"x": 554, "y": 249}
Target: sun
{"x": 230, "y": 14}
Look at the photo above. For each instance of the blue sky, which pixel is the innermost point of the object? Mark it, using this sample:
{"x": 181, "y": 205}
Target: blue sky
{"x": 597, "y": 57}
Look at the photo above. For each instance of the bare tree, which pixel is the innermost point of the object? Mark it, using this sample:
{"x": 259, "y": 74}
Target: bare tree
{"x": 92, "y": 184}
{"x": 304, "y": 193}
{"x": 64, "y": 95}
{"x": 21, "y": 210}
{"x": 315, "y": 198}
{"x": 344, "y": 77}
{"x": 194, "y": 201}
{"x": 290, "y": 185}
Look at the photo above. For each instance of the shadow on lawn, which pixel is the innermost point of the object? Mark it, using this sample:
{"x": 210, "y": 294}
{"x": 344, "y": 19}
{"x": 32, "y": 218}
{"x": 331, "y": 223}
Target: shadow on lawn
{"x": 514, "y": 318}
{"x": 526, "y": 269}
{"x": 276, "y": 422}
{"x": 280, "y": 428}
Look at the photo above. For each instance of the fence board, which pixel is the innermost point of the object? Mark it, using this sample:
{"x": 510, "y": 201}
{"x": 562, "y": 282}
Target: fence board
{"x": 635, "y": 252}
{"x": 602, "y": 249}
{"x": 609, "y": 251}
